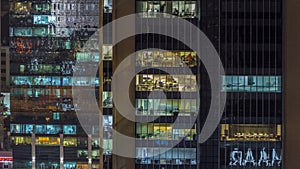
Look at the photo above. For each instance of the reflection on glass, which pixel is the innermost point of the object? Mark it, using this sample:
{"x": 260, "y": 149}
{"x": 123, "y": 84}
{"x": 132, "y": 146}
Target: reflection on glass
{"x": 166, "y": 59}
{"x": 250, "y": 132}
{"x": 251, "y": 83}
{"x": 182, "y": 83}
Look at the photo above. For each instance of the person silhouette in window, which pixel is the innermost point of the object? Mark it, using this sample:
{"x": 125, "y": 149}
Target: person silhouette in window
{"x": 162, "y": 8}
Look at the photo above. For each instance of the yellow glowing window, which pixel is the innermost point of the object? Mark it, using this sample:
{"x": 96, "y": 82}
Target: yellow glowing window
{"x": 21, "y": 140}
{"x": 70, "y": 141}
{"x": 21, "y": 7}
{"x": 82, "y": 166}
{"x": 47, "y": 141}
{"x": 251, "y": 132}
{"x": 95, "y": 154}
{"x": 163, "y": 128}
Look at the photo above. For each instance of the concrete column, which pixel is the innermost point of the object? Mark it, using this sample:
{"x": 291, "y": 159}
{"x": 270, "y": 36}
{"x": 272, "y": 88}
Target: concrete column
{"x": 291, "y": 84}
{"x": 90, "y": 151}
{"x": 101, "y": 8}
{"x": 120, "y": 51}
{"x": 33, "y": 155}
{"x": 61, "y": 152}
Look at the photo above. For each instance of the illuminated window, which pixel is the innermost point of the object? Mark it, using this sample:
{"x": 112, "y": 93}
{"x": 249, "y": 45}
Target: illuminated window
{"x": 17, "y": 128}
{"x": 166, "y": 59}
{"x": 107, "y": 146}
{"x": 95, "y": 154}
{"x": 87, "y": 57}
{"x": 22, "y": 31}
{"x": 69, "y": 129}
{"x": 52, "y": 141}
{"x": 251, "y": 83}
{"x": 44, "y": 19}
{"x": 70, "y": 141}
{"x": 250, "y": 132}
{"x": 95, "y": 143}
{"x": 21, "y": 128}
{"x": 107, "y": 99}
{"x": 69, "y": 165}
{"x": 54, "y": 80}
{"x": 21, "y": 7}
{"x": 165, "y": 131}
{"x": 253, "y": 156}
{"x": 47, "y": 129}
{"x": 35, "y": 80}
{"x": 21, "y": 140}
{"x": 41, "y": 8}
{"x": 82, "y": 153}
{"x": 56, "y": 116}
{"x": 166, "y": 107}
{"x": 83, "y": 57}
{"x": 185, "y": 9}
{"x": 84, "y": 81}
{"x": 178, "y": 156}
{"x": 182, "y": 132}
{"x": 107, "y": 52}
{"x": 107, "y": 126}
{"x": 107, "y": 6}
{"x": 149, "y": 82}
{"x": 40, "y": 32}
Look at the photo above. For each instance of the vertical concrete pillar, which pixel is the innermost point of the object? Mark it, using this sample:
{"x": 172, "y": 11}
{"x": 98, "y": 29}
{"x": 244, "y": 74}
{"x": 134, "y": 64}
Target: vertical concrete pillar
{"x": 61, "y": 151}
{"x": 90, "y": 151}
{"x": 33, "y": 155}
{"x": 120, "y": 52}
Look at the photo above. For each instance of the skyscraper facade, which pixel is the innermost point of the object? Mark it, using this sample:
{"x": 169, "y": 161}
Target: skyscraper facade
{"x": 248, "y": 38}
{"x": 47, "y": 39}
{"x": 46, "y": 42}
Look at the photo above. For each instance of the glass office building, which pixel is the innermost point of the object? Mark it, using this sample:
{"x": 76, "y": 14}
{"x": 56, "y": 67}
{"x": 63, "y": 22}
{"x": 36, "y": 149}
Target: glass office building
{"x": 248, "y": 38}
{"x": 46, "y": 38}
{"x": 46, "y": 41}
